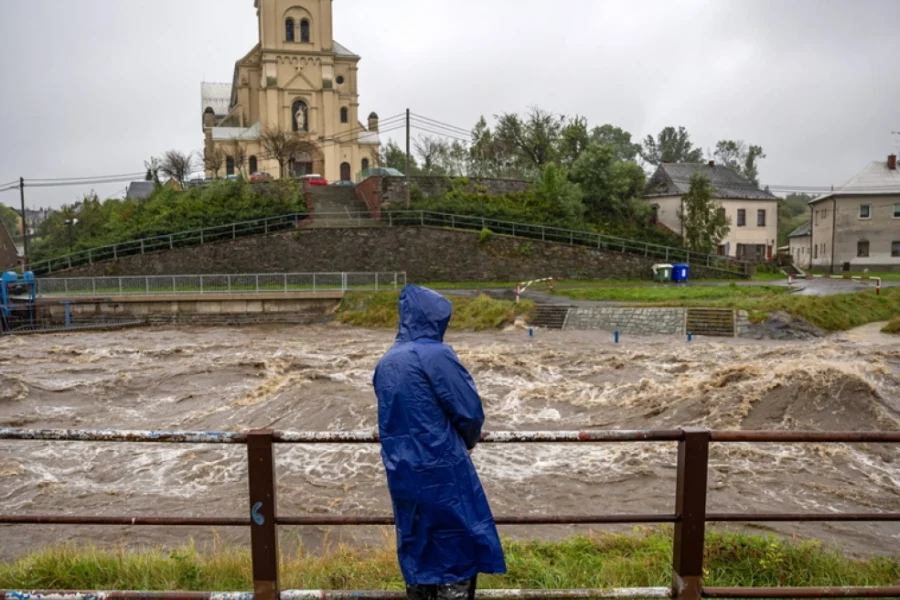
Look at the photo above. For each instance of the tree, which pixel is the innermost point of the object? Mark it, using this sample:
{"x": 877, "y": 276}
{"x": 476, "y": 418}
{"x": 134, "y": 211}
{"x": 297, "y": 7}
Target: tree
{"x": 10, "y": 219}
{"x": 433, "y": 152}
{"x": 213, "y": 160}
{"x": 611, "y": 187}
{"x": 177, "y": 165}
{"x": 557, "y": 198}
{"x": 793, "y": 212}
{"x": 393, "y": 157}
{"x": 532, "y": 140}
{"x": 740, "y": 158}
{"x": 238, "y": 153}
{"x": 281, "y": 146}
{"x": 152, "y": 167}
{"x": 705, "y": 223}
{"x": 619, "y": 140}
{"x": 671, "y": 145}
{"x": 573, "y": 140}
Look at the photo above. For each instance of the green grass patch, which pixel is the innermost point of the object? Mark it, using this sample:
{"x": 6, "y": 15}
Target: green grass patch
{"x": 671, "y": 293}
{"x": 380, "y": 310}
{"x": 643, "y": 558}
{"x": 893, "y": 326}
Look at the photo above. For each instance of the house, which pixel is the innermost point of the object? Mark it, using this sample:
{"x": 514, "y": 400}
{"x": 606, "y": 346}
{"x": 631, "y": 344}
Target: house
{"x": 753, "y": 213}
{"x": 298, "y": 81}
{"x": 800, "y": 248}
{"x": 857, "y": 226}
{"x": 141, "y": 190}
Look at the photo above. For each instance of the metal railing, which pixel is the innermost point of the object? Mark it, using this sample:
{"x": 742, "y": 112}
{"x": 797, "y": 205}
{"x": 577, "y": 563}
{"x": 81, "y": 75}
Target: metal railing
{"x": 220, "y": 284}
{"x": 690, "y": 514}
{"x": 400, "y": 218}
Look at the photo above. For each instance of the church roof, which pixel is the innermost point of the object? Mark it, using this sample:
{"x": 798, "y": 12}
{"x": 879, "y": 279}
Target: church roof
{"x": 216, "y": 96}
{"x": 342, "y": 50}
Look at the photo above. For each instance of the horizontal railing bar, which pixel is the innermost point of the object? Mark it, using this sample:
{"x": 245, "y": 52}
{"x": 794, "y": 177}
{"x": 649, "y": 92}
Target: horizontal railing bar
{"x": 573, "y": 594}
{"x": 138, "y": 521}
{"x": 493, "y": 437}
{"x": 849, "y": 437}
{"x": 800, "y": 517}
{"x": 320, "y": 520}
{"x": 804, "y": 592}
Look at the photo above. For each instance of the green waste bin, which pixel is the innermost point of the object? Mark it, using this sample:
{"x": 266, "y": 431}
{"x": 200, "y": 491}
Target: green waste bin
{"x": 662, "y": 273}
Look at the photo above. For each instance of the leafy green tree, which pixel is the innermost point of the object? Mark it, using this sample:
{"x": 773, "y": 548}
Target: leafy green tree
{"x": 531, "y": 139}
{"x": 10, "y": 219}
{"x": 611, "y": 187}
{"x": 740, "y": 158}
{"x": 619, "y": 140}
{"x": 556, "y": 196}
{"x": 793, "y": 212}
{"x": 394, "y": 157}
{"x": 573, "y": 140}
{"x": 705, "y": 223}
{"x": 671, "y": 145}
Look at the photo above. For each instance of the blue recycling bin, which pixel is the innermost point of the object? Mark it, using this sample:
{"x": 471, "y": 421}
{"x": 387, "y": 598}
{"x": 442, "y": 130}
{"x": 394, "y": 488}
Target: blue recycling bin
{"x": 681, "y": 273}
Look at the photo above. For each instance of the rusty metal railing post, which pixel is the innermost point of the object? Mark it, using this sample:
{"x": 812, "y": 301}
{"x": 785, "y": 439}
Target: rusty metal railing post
{"x": 263, "y": 532}
{"x": 690, "y": 508}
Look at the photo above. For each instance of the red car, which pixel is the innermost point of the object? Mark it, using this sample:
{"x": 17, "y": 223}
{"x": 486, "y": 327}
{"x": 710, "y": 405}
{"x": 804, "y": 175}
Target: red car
{"x": 260, "y": 176}
{"x": 315, "y": 180}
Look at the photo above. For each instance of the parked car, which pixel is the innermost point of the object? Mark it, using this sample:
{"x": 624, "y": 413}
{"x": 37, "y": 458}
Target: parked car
{"x": 344, "y": 183}
{"x": 315, "y": 180}
{"x": 260, "y": 176}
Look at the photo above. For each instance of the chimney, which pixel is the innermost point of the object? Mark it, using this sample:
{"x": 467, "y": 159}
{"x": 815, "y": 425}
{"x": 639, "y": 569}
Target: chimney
{"x": 892, "y": 162}
{"x": 712, "y": 164}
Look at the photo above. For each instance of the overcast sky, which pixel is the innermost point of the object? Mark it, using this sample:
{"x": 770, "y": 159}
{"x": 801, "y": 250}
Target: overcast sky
{"x": 95, "y": 87}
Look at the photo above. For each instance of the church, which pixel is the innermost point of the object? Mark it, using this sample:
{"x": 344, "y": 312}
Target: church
{"x": 292, "y": 108}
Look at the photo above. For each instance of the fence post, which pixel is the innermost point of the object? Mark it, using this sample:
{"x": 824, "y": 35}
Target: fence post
{"x": 422, "y": 217}
{"x": 376, "y": 281}
{"x": 147, "y": 285}
{"x": 142, "y": 245}
{"x": 201, "y": 237}
{"x": 93, "y": 285}
{"x": 263, "y": 534}
{"x": 171, "y": 243}
{"x": 314, "y": 282}
{"x": 70, "y": 261}
{"x": 285, "y": 283}
{"x": 174, "y": 288}
{"x": 257, "y": 284}
{"x": 90, "y": 257}
{"x": 266, "y": 226}
{"x": 228, "y": 281}
{"x": 343, "y": 282}
{"x": 690, "y": 508}
{"x": 201, "y": 284}
{"x": 120, "y": 285}
{"x": 390, "y": 219}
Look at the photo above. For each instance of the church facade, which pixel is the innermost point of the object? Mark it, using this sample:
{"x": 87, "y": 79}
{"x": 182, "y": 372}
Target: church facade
{"x": 292, "y": 108}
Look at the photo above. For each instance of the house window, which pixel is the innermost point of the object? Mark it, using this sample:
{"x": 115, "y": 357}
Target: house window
{"x": 816, "y": 251}
{"x": 895, "y": 249}
{"x": 304, "y": 31}
{"x": 345, "y": 115}
{"x": 897, "y": 211}
{"x": 761, "y": 218}
{"x": 862, "y": 249}
{"x": 865, "y": 211}
{"x": 300, "y": 116}
{"x": 289, "y": 30}
{"x": 742, "y": 218}
{"x": 229, "y": 166}
{"x": 365, "y": 164}
{"x": 253, "y": 165}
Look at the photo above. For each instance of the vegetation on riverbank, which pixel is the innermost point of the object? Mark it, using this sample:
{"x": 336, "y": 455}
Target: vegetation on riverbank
{"x": 380, "y": 310}
{"x": 838, "y": 312}
{"x": 893, "y": 326}
{"x": 641, "y": 559}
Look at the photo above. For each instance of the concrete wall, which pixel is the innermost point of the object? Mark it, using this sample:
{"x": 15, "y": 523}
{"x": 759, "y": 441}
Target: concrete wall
{"x": 629, "y": 321}
{"x": 427, "y": 255}
{"x": 837, "y": 222}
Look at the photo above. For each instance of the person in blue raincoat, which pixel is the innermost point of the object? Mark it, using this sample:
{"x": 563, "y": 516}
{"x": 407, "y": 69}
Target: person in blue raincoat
{"x": 429, "y": 421}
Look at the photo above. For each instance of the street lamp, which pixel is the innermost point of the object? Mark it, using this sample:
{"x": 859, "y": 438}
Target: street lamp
{"x": 69, "y": 224}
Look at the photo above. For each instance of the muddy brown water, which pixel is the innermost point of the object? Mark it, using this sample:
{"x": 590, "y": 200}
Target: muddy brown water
{"x": 319, "y": 378}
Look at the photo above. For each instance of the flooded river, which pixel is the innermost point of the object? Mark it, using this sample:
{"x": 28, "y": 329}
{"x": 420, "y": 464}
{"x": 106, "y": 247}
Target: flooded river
{"x": 319, "y": 378}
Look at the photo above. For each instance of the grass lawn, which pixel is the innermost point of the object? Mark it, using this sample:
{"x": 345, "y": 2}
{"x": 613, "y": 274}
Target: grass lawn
{"x": 670, "y": 293}
{"x": 641, "y": 559}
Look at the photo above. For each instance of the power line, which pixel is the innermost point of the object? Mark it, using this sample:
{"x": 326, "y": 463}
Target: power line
{"x": 439, "y": 133}
{"x": 442, "y": 124}
{"x": 437, "y": 130}
{"x": 94, "y": 178}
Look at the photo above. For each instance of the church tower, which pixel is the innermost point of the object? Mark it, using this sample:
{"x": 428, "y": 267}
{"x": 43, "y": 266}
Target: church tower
{"x": 296, "y": 80}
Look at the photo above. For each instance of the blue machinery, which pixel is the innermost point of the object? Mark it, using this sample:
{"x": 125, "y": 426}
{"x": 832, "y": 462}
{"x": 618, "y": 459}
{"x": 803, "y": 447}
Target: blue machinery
{"x": 17, "y": 301}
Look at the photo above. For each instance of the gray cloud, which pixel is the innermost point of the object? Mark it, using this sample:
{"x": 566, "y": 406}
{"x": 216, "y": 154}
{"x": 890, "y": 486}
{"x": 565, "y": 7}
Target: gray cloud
{"x": 95, "y": 87}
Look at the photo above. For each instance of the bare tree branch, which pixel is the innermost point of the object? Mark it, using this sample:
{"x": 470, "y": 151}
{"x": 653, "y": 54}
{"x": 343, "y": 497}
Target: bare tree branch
{"x": 281, "y": 146}
{"x": 177, "y": 165}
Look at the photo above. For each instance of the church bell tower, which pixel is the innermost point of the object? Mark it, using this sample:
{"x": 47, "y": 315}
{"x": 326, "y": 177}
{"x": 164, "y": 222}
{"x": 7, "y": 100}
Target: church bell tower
{"x": 295, "y": 25}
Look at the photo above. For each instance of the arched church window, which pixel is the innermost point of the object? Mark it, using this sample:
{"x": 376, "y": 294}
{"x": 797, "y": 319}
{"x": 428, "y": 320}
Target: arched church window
{"x": 300, "y": 116}
{"x": 229, "y": 166}
{"x": 345, "y": 115}
{"x": 253, "y": 165}
{"x": 304, "y": 31}
{"x": 289, "y": 30}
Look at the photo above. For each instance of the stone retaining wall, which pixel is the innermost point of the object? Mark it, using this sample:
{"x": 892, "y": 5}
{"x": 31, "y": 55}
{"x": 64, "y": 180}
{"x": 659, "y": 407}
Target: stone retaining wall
{"x": 630, "y": 321}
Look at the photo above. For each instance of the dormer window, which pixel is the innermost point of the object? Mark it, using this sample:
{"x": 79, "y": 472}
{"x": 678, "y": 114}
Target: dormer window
{"x": 304, "y": 31}
{"x": 289, "y": 30}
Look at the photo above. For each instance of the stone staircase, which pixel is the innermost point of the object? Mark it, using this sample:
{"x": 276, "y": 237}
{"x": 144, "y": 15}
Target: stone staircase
{"x": 714, "y": 322}
{"x": 550, "y": 316}
{"x": 338, "y": 206}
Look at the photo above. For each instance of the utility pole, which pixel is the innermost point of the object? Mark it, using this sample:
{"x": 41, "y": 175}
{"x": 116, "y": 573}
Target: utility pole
{"x": 24, "y": 224}
{"x": 406, "y": 171}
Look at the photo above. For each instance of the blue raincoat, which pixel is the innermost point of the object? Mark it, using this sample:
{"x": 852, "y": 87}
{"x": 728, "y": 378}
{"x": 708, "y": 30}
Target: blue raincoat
{"x": 429, "y": 416}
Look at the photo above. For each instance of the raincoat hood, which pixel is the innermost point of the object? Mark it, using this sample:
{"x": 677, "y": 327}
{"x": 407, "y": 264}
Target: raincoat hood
{"x": 424, "y": 314}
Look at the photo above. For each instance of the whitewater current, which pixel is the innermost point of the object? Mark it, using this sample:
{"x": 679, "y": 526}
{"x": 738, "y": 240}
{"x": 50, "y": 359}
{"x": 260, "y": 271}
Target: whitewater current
{"x": 319, "y": 379}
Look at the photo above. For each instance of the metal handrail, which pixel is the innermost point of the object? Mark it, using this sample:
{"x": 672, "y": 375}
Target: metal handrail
{"x": 423, "y": 218}
{"x": 690, "y": 516}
